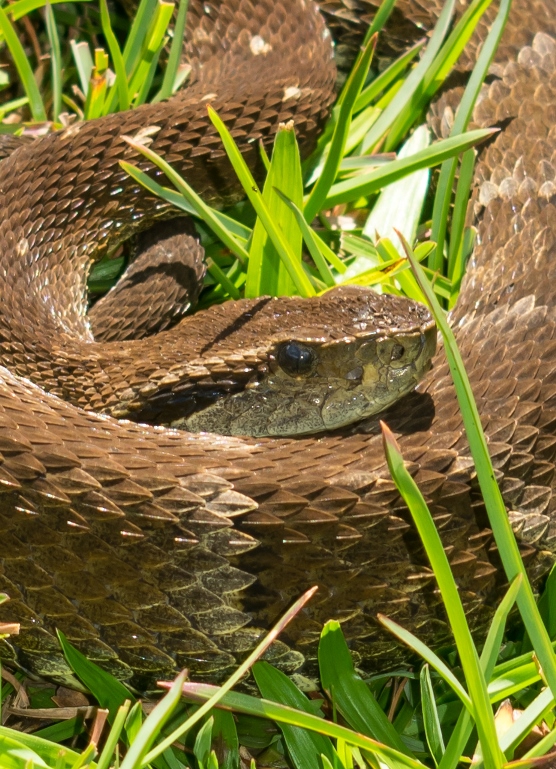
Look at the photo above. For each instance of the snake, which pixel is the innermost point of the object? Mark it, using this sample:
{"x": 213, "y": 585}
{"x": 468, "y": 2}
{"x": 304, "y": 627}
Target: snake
{"x": 155, "y": 549}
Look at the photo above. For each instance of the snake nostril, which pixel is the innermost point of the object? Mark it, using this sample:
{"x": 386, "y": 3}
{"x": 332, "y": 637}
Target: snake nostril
{"x": 355, "y": 373}
{"x": 397, "y": 352}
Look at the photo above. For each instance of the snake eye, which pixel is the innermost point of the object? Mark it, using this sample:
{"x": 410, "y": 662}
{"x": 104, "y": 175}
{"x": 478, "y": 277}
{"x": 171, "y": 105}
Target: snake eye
{"x": 296, "y": 359}
{"x": 397, "y": 352}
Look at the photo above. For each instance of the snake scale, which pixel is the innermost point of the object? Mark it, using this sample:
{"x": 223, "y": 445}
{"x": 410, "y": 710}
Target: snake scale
{"x": 155, "y": 549}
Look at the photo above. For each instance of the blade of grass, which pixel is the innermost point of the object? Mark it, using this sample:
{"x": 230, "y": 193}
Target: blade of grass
{"x": 431, "y": 720}
{"x": 439, "y": 70}
{"x": 200, "y": 208}
{"x": 55, "y": 62}
{"x": 367, "y": 184}
{"x": 233, "y": 679}
{"x": 318, "y": 250}
{"x": 175, "y": 53}
{"x": 463, "y": 115}
{"x": 83, "y": 62}
{"x": 296, "y": 271}
{"x": 152, "y": 726}
{"x": 267, "y": 273}
{"x": 105, "y": 758}
{"x": 469, "y": 659}
{"x": 304, "y": 747}
{"x": 413, "y": 81}
{"x": 427, "y": 654}
{"x": 352, "y": 90}
{"x": 243, "y": 703}
{"x": 117, "y": 59}
{"x": 347, "y": 691}
{"x": 387, "y": 77}
{"x": 23, "y": 68}
{"x": 496, "y": 510}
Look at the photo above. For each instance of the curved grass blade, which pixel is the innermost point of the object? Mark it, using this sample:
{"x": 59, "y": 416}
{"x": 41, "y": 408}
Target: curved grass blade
{"x": 243, "y": 703}
{"x": 410, "y": 640}
{"x": 367, "y": 184}
{"x": 150, "y": 729}
{"x": 219, "y": 692}
{"x": 348, "y": 692}
{"x": 475, "y": 680}
{"x": 496, "y": 510}
{"x": 200, "y": 208}
{"x": 23, "y": 68}
{"x": 305, "y": 747}
{"x": 352, "y": 90}
{"x": 109, "y": 692}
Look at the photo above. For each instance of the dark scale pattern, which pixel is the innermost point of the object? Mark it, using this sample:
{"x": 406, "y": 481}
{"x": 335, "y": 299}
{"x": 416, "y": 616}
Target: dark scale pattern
{"x": 154, "y": 549}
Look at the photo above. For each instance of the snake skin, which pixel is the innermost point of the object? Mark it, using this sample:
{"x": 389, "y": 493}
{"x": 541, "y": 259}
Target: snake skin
{"x": 155, "y": 550}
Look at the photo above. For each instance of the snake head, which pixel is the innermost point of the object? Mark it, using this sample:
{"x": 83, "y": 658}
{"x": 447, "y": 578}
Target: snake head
{"x": 305, "y": 366}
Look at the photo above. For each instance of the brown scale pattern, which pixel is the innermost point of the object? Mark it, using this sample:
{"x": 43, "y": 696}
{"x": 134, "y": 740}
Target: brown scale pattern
{"x": 154, "y": 550}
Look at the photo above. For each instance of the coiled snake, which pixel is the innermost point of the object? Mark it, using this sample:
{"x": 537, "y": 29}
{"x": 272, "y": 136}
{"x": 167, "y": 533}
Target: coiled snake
{"x": 155, "y": 549}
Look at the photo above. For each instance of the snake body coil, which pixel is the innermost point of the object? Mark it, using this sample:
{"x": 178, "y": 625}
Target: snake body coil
{"x": 154, "y": 549}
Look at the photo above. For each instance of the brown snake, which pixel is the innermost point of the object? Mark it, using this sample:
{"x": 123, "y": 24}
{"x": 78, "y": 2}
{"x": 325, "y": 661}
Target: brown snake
{"x": 154, "y": 549}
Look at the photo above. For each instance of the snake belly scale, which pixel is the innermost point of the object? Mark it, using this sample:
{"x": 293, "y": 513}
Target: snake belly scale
{"x": 155, "y": 549}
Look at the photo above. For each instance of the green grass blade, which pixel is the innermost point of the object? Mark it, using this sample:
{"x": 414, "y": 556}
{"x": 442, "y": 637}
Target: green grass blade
{"x": 368, "y": 184}
{"x": 353, "y": 88}
{"x": 142, "y": 93}
{"x": 532, "y": 715}
{"x": 439, "y": 70}
{"x": 23, "y": 7}
{"x": 200, "y": 208}
{"x": 243, "y": 703}
{"x": 174, "y": 58}
{"x": 117, "y": 59}
{"x": 83, "y": 62}
{"x": 219, "y": 692}
{"x": 386, "y": 78}
{"x": 46, "y": 751}
{"x": 135, "y": 756}
{"x": 23, "y": 68}
{"x": 317, "y": 248}
{"x": 476, "y": 684}
{"x": 463, "y": 189}
{"x": 410, "y": 640}
{"x": 431, "y": 720}
{"x": 296, "y": 271}
{"x": 109, "y": 692}
{"x": 154, "y": 40}
{"x": 267, "y": 273}
{"x": 105, "y": 758}
{"x": 463, "y": 115}
{"x": 55, "y": 62}
{"x": 407, "y": 93}
{"x": 347, "y": 691}
{"x": 304, "y": 747}
{"x": 496, "y": 510}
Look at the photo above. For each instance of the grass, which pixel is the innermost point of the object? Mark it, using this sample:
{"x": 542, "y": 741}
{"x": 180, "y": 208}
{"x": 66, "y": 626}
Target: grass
{"x": 443, "y": 714}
